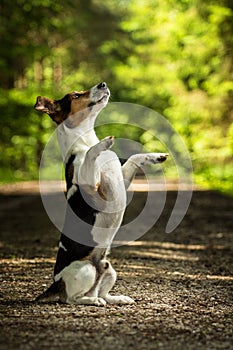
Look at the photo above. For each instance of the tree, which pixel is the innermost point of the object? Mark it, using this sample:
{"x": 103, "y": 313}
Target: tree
{"x": 181, "y": 66}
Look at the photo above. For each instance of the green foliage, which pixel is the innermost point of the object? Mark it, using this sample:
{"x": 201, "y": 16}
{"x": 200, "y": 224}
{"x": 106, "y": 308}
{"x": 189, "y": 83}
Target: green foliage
{"x": 23, "y": 135}
{"x": 174, "y": 57}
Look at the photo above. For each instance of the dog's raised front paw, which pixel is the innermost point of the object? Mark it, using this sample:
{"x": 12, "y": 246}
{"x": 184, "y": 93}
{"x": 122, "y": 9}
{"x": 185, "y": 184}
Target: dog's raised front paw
{"x": 106, "y": 143}
{"x": 155, "y": 158}
{"x": 142, "y": 159}
{"x": 103, "y": 145}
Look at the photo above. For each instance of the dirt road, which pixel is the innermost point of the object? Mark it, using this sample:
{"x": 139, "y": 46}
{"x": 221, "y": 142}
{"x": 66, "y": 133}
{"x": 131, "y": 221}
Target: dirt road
{"x": 181, "y": 282}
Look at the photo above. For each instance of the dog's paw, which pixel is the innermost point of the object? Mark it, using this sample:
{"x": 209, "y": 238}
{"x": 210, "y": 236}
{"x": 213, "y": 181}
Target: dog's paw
{"x": 99, "y": 302}
{"x": 154, "y": 158}
{"x": 124, "y": 299}
{"x": 142, "y": 159}
{"x": 103, "y": 145}
{"x": 118, "y": 299}
{"x": 106, "y": 143}
{"x": 85, "y": 300}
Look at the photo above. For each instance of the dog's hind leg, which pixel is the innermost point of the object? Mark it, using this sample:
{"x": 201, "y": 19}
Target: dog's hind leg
{"x": 86, "y": 301}
{"x": 77, "y": 280}
{"x": 108, "y": 280}
{"x": 137, "y": 161}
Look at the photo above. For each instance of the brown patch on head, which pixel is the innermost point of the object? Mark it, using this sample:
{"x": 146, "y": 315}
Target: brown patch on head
{"x": 57, "y": 110}
{"x": 79, "y": 101}
{"x": 73, "y": 106}
{"x": 79, "y": 107}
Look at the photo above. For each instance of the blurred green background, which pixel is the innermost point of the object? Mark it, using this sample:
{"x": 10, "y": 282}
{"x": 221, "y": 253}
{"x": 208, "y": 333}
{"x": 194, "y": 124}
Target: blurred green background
{"x": 174, "y": 56}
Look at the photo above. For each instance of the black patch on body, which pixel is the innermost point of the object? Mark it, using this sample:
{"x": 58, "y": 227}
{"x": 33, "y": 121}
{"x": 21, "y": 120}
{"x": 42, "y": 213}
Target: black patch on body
{"x": 69, "y": 171}
{"x": 74, "y": 251}
{"x": 75, "y": 231}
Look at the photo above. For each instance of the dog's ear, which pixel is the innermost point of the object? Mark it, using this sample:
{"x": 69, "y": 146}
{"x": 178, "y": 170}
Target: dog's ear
{"x": 46, "y": 105}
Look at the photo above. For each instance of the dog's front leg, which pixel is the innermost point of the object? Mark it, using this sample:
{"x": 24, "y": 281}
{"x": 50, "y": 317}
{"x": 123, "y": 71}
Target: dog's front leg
{"x": 137, "y": 161}
{"x": 88, "y": 174}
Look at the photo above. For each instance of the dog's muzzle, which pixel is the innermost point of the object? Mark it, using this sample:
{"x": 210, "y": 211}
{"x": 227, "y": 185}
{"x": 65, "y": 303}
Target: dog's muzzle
{"x": 100, "y": 93}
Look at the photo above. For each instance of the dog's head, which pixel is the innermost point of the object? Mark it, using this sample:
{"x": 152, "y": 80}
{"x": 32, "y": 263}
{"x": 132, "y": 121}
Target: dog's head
{"x": 76, "y": 105}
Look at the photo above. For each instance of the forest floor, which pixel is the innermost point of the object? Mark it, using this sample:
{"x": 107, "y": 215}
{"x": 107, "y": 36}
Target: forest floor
{"x": 182, "y": 282}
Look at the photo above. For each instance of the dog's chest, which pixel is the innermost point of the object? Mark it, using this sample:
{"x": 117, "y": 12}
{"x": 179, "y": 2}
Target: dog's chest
{"x": 107, "y": 164}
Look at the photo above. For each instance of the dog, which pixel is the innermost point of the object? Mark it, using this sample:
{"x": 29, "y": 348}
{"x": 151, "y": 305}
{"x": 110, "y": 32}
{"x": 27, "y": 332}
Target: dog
{"x": 96, "y": 192}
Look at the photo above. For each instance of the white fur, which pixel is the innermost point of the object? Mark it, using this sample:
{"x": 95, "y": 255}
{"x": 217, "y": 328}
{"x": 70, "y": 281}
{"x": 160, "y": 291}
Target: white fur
{"x": 97, "y": 169}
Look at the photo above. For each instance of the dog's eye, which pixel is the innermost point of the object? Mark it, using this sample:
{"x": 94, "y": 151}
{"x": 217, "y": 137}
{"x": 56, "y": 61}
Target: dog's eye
{"x": 76, "y": 95}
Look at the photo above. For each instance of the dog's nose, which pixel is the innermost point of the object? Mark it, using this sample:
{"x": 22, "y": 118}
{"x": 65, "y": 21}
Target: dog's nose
{"x": 102, "y": 85}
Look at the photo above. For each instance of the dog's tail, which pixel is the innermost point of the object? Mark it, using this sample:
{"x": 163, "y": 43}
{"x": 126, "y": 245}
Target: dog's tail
{"x": 52, "y": 293}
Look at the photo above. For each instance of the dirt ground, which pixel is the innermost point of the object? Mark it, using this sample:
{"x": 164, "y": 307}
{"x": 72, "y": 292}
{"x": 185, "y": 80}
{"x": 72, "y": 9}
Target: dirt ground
{"x": 181, "y": 282}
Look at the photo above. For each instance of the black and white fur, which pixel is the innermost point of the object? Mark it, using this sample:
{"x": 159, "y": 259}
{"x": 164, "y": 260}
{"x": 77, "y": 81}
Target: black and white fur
{"x": 96, "y": 193}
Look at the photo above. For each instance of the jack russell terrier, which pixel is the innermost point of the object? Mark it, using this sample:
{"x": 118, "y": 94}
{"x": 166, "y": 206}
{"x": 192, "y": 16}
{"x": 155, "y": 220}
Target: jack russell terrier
{"x": 96, "y": 192}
